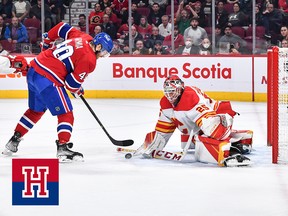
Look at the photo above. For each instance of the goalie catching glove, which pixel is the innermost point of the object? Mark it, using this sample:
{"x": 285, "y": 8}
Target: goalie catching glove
{"x": 153, "y": 142}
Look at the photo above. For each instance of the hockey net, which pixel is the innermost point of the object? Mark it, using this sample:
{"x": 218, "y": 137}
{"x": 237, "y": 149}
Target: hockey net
{"x": 277, "y": 104}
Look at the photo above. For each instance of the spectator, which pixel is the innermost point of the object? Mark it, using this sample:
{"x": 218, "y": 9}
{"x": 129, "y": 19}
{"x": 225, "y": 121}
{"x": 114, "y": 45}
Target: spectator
{"x": 108, "y": 27}
{"x": 207, "y": 9}
{"x": 135, "y": 36}
{"x": 141, "y": 3}
{"x": 112, "y": 16}
{"x": 272, "y": 20}
{"x": 205, "y": 47}
{"x": 21, "y": 9}
{"x": 165, "y": 28}
{"x": 196, "y": 32}
{"x": 155, "y": 15}
{"x": 144, "y": 28}
{"x": 233, "y": 39}
{"x": 95, "y": 17}
{"x": 124, "y": 29}
{"x": 246, "y": 7}
{"x": 140, "y": 49}
{"x": 284, "y": 43}
{"x": 16, "y": 32}
{"x": 237, "y": 18}
{"x": 178, "y": 39}
{"x": 161, "y": 3}
{"x": 82, "y": 22}
{"x": 232, "y": 1}
{"x": 182, "y": 18}
{"x": 35, "y": 13}
{"x": 258, "y": 17}
{"x": 2, "y": 28}
{"x": 284, "y": 32}
{"x": 55, "y": 8}
{"x": 283, "y": 6}
{"x": 221, "y": 15}
{"x": 3, "y": 52}
{"x": 6, "y": 8}
{"x": 218, "y": 35}
{"x": 134, "y": 14}
{"x": 120, "y": 8}
{"x": 197, "y": 12}
{"x": 104, "y": 3}
{"x": 159, "y": 49}
{"x": 235, "y": 49}
{"x": 97, "y": 30}
{"x": 189, "y": 47}
{"x": 150, "y": 42}
{"x": 116, "y": 49}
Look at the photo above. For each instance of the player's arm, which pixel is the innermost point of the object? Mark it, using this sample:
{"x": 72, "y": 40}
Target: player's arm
{"x": 61, "y": 30}
{"x": 13, "y": 64}
{"x": 64, "y": 31}
{"x": 165, "y": 127}
{"x": 75, "y": 79}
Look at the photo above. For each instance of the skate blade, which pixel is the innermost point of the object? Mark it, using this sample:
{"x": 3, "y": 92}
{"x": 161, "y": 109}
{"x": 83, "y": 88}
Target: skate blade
{"x": 7, "y": 152}
{"x": 64, "y": 159}
{"x": 235, "y": 163}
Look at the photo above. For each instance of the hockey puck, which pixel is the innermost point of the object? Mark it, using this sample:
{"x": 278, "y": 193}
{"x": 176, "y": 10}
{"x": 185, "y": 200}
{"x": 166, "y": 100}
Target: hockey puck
{"x": 128, "y": 155}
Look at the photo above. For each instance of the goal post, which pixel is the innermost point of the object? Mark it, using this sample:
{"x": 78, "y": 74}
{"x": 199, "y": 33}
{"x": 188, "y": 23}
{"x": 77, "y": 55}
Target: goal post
{"x": 277, "y": 104}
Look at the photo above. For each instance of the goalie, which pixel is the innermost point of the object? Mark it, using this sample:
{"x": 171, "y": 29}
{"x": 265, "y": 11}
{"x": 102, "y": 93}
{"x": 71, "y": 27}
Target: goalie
{"x": 205, "y": 124}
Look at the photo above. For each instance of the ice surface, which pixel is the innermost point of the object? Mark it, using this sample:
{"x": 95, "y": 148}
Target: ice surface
{"x": 107, "y": 184}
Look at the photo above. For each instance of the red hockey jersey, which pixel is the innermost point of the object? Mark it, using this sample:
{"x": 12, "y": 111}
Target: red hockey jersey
{"x": 68, "y": 63}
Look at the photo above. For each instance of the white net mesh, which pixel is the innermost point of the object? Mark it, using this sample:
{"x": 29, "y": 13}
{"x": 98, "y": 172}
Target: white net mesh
{"x": 283, "y": 106}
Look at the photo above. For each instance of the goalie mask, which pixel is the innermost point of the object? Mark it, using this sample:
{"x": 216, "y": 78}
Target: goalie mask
{"x": 173, "y": 88}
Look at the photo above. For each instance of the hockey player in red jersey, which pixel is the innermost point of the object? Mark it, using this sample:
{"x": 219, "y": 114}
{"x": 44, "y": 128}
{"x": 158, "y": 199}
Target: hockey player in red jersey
{"x": 205, "y": 124}
{"x": 56, "y": 69}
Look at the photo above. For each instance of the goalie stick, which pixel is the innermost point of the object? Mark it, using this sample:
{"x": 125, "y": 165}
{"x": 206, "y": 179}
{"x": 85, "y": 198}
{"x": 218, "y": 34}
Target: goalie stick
{"x": 115, "y": 142}
{"x": 160, "y": 154}
{"x": 165, "y": 155}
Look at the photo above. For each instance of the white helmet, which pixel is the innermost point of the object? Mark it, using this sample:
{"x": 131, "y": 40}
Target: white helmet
{"x": 173, "y": 88}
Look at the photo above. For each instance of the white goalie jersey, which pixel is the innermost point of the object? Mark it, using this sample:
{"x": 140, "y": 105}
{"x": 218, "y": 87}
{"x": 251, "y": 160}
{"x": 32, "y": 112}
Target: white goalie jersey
{"x": 195, "y": 113}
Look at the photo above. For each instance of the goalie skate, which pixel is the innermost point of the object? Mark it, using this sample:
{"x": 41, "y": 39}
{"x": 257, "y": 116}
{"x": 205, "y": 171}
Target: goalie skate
{"x": 237, "y": 160}
{"x": 64, "y": 154}
{"x": 12, "y": 145}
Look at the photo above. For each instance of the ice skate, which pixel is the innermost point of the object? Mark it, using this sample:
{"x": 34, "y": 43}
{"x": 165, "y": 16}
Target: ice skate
{"x": 64, "y": 154}
{"x": 237, "y": 160}
{"x": 242, "y": 148}
{"x": 12, "y": 145}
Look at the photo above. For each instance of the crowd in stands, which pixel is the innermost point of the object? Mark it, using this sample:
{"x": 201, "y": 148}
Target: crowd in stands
{"x": 151, "y": 24}
{"x": 20, "y": 21}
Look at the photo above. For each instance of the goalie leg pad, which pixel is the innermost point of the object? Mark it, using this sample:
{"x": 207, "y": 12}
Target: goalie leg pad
{"x": 217, "y": 127}
{"x": 208, "y": 150}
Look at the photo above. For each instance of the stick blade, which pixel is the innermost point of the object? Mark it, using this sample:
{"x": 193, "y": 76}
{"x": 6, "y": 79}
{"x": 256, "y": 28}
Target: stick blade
{"x": 123, "y": 142}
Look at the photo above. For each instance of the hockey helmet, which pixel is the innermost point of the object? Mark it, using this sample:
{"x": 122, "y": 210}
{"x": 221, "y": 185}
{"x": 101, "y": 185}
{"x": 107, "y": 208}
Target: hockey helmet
{"x": 105, "y": 40}
{"x": 173, "y": 88}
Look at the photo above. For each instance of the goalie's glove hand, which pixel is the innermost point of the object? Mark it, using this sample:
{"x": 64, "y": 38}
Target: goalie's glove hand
{"x": 46, "y": 42}
{"x": 153, "y": 142}
{"x": 78, "y": 92}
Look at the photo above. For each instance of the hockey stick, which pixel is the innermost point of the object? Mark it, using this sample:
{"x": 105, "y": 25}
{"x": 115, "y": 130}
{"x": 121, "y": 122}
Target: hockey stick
{"x": 165, "y": 155}
{"x": 115, "y": 142}
{"x": 160, "y": 154}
